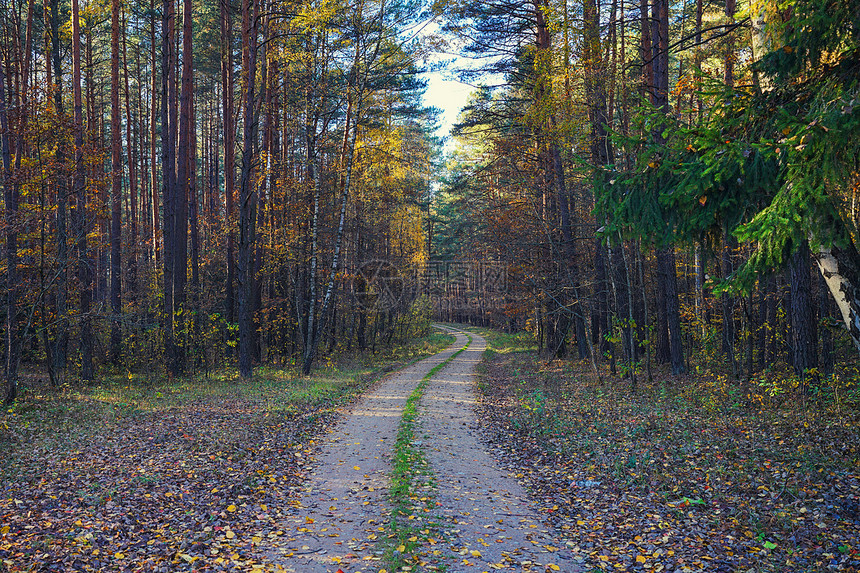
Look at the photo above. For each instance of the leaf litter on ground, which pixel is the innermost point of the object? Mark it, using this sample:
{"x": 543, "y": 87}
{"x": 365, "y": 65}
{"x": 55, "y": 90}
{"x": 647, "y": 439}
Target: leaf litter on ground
{"x": 197, "y": 485}
{"x": 653, "y": 480}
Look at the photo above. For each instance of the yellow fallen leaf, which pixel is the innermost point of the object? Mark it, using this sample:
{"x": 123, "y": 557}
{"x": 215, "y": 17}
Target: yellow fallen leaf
{"x": 401, "y": 548}
{"x": 640, "y": 559}
{"x": 229, "y": 534}
{"x": 257, "y": 539}
{"x": 356, "y": 468}
{"x": 475, "y": 553}
{"x": 231, "y": 508}
{"x": 119, "y": 555}
{"x": 554, "y": 567}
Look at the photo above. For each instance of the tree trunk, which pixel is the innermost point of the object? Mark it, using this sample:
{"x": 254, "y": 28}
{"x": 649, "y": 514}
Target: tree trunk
{"x": 247, "y": 191}
{"x": 668, "y": 283}
{"x": 168, "y": 169}
{"x": 840, "y": 267}
{"x": 667, "y": 275}
{"x": 10, "y": 198}
{"x": 804, "y": 331}
{"x": 60, "y": 350}
{"x": 153, "y": 113}
{"x": 131, "y": 142}
{"x": 116, "y": 192}
{"x": 229, "y": 152}
{"x": 184, "y": 169}
{"x": 80, "y": 192}
{"x": 601, "y": 155}
{"x": 824, "y": 318}
{"x": 194, "y": 229}
{"x": 727, "y": 305}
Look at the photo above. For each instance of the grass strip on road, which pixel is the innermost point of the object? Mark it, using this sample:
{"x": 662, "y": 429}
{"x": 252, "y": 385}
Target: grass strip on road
{"x": 412, "y": 481}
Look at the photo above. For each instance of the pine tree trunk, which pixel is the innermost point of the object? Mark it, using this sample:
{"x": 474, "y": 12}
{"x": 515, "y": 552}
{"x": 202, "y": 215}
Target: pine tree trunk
{"x": 667, "y": 269}
{"x": 131, "y": 142}
{"x": 80, "y": 192}
{"x": 116, "y": 193}
{"x": 229, "y": 153}
{"x": 662, "y": 353}
{"x": 194, "y": 229}
{"x": 804, "y": 331}
{"x": 667, "y": 273}
{"x": 247, "y": 191}
{"x": 168, "y": 169}
{"x": 183, "y": 190}
{"x": 153, "y": 159}
{"x": 61, "y": 339}
{"x": 11, "y": 207}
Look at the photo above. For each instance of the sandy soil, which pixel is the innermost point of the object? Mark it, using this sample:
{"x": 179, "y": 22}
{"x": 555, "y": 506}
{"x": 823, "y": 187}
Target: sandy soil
{"x": 340, "y": 518}
{"x": 491, "y": 521}
{"x": 488, "y": 521}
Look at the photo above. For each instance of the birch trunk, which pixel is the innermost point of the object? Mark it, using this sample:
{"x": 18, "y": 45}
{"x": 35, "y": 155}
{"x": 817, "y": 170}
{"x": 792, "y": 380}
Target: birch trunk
{"x": 840, "y": 268}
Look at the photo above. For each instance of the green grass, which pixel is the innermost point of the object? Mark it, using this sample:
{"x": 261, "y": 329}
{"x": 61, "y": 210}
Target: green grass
{"x": 505, "y": 343}
{"x": 412, "y": 480}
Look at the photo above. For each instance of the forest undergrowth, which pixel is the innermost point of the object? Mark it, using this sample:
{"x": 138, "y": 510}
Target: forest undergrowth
{"x": 168, "y": 474}
{"x": 681, "y": 473}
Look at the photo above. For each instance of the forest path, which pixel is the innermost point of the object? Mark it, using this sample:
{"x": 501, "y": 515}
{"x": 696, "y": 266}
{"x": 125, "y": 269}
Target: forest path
{"x": 483, "y": 515}
{"x": 489, "y": 521}
{"x": 342, "y": 514}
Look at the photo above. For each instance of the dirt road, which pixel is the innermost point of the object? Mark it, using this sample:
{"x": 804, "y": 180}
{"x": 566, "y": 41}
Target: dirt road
{"x": 492, "y": 523}
{"x": 488, "y": 523}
